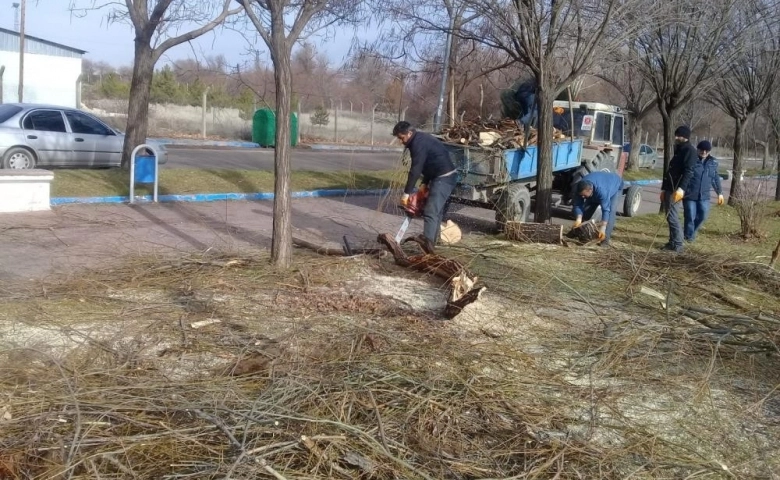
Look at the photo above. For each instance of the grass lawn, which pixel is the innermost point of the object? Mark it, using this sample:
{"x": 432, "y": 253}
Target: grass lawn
{"x": 719, "y": 234}
{"x": 115, "y": 182}
{"x": 643, "y": 174}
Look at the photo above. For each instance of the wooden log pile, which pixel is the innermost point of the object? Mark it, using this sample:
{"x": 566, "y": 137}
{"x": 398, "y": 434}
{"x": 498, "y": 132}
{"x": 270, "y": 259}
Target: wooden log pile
{"x": 502, "y": 134}
{"x": 463, "y": 286}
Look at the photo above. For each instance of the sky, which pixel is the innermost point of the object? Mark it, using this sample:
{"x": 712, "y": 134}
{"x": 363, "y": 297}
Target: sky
{"x": 113, "y": 43}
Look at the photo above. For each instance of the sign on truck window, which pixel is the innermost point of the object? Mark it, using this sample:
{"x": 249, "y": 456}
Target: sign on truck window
{"x": 587, "y": 123}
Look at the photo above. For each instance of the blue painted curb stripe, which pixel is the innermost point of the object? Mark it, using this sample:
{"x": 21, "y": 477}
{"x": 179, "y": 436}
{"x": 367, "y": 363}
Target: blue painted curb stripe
{"x": 206, "y": 143}
{"x": 355, "y": 148}
{"x": 641, "y": 182}
{"x": 216, "y": 197}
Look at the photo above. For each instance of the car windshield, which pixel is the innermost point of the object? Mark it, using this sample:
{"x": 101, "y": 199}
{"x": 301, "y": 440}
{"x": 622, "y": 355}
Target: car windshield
{"x": 8, "y": 111}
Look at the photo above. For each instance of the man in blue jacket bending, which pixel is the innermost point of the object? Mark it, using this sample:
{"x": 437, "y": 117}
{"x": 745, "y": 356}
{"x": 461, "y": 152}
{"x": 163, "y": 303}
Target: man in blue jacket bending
{"x": 696, "y": 202}
{"x": 599, "y": 189}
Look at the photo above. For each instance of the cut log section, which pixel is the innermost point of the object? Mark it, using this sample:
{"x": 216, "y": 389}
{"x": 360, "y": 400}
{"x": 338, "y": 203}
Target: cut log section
{"x": 585, "y": 233}
{"x": 462, "y": 283}
{"x": 534, "y": 232}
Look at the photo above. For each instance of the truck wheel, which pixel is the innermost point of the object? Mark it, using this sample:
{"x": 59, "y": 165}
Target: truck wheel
{"x": 513, "y": 205}
{"x": 600, "y": 161}
{"x": 578, "y": 175}
{"x": 632, "y": 201}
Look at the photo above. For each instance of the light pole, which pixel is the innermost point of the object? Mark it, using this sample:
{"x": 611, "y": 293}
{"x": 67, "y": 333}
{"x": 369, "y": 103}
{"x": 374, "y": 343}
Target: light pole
{"x": 21, "y": 49}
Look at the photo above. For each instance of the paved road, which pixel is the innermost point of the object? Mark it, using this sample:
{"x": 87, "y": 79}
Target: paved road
{"x": 263, "y": 159}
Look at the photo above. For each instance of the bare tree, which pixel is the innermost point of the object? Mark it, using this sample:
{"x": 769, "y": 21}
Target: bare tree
{"x": 558, "y": 41}
{"x": 157, "y": 30}
{"x": 627, "y": 79}
{"x": 773, "y": 117}
{"x": 750, "y": 79}
{"x": 681, "y": 56}
{"x": 282, "y": 23}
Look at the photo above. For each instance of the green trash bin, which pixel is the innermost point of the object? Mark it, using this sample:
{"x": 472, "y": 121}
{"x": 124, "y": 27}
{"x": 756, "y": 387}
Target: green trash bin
{"x": 264, "y": 128}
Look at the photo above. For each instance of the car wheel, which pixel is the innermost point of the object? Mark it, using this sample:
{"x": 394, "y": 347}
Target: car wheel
{"x": 19, "y": 158}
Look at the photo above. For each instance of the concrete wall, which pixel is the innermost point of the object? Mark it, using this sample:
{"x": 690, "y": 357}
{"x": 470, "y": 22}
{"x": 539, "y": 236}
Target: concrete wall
{"x": 47, "y": 79}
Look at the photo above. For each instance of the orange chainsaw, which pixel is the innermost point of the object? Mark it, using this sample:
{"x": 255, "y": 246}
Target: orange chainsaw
{"x": 413, "y": 208}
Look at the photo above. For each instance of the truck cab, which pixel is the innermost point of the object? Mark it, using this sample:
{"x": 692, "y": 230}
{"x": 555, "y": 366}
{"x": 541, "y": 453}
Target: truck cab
{"x": 602, "y": 128}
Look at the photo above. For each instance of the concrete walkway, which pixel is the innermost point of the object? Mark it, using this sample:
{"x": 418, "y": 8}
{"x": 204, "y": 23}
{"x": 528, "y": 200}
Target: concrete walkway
{"x": 72, "y": 237}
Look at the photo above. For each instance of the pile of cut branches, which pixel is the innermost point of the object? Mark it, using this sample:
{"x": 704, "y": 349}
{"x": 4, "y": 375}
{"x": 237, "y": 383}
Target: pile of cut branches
{"x": 500, "y": 134}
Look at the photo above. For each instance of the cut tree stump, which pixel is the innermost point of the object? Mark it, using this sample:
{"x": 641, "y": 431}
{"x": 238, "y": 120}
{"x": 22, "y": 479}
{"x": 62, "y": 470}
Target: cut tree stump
{"x": 462, "y": 283}
{"x": 585, "y": 233}
{"x": 534, "y": 232}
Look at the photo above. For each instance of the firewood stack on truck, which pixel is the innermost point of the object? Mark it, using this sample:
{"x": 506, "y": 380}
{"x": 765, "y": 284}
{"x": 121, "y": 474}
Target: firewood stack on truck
{"x": 497, "y": 161}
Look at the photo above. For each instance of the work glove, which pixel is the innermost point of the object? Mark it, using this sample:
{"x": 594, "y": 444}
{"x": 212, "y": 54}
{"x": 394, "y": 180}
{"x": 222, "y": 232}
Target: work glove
{"x": 577, "y": 222}
{"x": 603, "y": 231}
{"x": 678, "y": 195}
{"x": 405, "y": 200}
{"x": 720, "y": 199}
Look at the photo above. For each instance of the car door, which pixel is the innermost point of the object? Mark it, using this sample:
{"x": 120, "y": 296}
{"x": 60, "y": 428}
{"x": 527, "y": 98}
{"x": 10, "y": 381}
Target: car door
{"x": 45, "y": 132}
{"x": 643, "y": 156}
{"x": 95, "y": 143}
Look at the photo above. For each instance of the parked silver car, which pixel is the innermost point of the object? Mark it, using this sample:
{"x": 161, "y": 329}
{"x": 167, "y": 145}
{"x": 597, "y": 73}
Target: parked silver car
{"x": 648, "y": 157}
{"x": 50, "y": 136}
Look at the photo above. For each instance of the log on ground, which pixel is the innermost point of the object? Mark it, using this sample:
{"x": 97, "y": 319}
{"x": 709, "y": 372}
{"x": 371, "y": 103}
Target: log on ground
{"x": 534, "y": 232}
{"x": 463, "y": 286}
{"x": 585, "y": 233}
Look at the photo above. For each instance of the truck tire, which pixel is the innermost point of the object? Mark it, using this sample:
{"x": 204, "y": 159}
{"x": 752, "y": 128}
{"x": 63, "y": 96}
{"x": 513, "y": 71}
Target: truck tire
{"x": 632, "y": 201}
{"x": 513, "y": 205}
{"x": 599, "y": 162}
{"x": 576, "y": 176}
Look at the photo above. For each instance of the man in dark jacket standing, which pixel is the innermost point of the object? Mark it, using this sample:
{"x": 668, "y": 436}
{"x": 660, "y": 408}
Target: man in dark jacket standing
{"x": 675, "y": 183}
{"x": 430, "y": 160}
{"x": 696, "y": 204}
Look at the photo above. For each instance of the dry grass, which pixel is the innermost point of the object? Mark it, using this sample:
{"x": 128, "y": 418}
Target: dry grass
{"x": 342, "y": 369}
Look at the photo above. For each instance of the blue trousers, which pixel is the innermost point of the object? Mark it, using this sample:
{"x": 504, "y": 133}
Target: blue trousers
{"x": 694, "y": 214}
{"x": 589, "y": 210}
{"x": 439, "y": 191}
{"x": 673, "y": 219}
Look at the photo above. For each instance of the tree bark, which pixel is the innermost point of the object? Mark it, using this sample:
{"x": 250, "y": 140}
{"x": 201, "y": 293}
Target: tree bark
{"x": 281, "y": 244}
{"x": 667, "y": 118}
{"x": 138, "y": 105}
{"x": 635, "y": 139}
{"x": 736, "y": 185}
{"x": 544, "y": 175}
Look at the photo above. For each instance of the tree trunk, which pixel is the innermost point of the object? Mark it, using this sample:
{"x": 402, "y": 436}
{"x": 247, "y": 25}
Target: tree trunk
{"x": 544, "y": 175}
{"x": 281, "y": 243}
{"x": 635, "y": 139}
{"x": 667, "y": 118}
{"x": 140, "y": 92}
{"x": 765, "y": 158}
{"x": 736, "y": 184}
{"x": 777, "y": 165}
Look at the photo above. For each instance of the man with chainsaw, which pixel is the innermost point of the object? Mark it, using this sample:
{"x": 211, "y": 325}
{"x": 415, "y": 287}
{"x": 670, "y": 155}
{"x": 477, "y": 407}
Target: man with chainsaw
{"x": 431, "y": 161}
{"x": 598, "y": 189}
{"x": 676, "y": 183}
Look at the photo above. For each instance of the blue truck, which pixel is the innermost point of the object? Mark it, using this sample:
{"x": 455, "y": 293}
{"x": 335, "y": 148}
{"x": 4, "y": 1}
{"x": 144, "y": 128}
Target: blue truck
{"x": 504, "y": 180}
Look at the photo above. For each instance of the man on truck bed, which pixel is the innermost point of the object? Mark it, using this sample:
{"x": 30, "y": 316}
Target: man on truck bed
{"x": 430, "y": 160}
{"x": 676, "y": 183}
{"x": 598, "y": 189}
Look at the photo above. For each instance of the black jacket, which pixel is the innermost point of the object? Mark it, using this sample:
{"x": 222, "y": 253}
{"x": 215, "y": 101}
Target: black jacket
{"x": 429, "y": 158}
{"x": 681, "y": 168}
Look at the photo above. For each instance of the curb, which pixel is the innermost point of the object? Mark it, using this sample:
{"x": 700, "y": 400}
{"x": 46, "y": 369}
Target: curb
{"x": 641, "y": 182}
{"x": 184, "y": 142}
{"x": 214, "y": 197}
{"x": 354, "y": 148}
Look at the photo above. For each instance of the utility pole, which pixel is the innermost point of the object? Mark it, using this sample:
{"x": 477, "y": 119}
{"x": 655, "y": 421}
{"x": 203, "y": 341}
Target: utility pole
{"x": 21, "y": 53}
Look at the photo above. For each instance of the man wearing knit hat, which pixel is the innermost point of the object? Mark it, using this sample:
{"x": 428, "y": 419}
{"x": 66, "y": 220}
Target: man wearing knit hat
{"x": 696, "y": 204}
{"x": 675, "y": 183}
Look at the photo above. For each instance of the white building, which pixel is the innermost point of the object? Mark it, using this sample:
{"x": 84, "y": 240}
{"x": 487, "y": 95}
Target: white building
{"x": 51, "y": 71}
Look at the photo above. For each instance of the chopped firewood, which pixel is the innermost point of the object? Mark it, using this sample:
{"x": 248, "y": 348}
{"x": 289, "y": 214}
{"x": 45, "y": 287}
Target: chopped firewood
{"x": 585, "y": 233}
{"x": 504, "y": 134}
{"x": 463, "y": 284}
{"x": 534, "y": 232}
